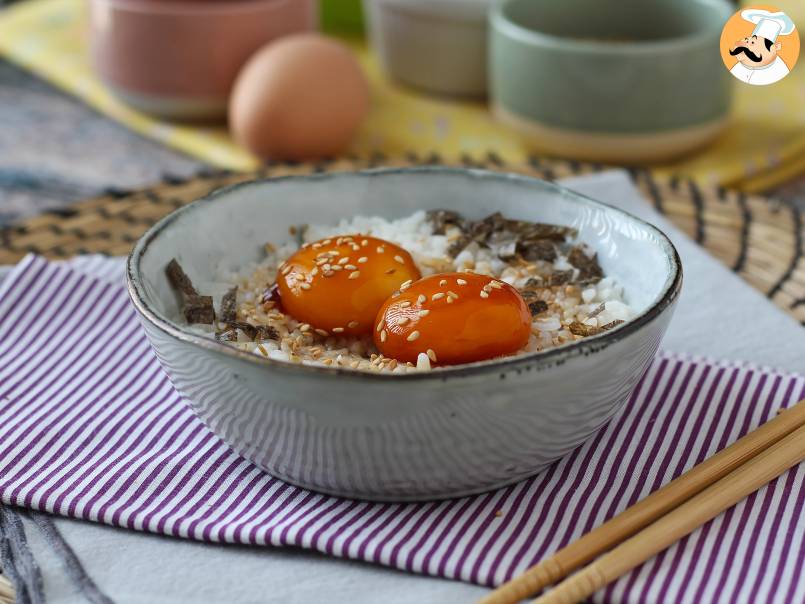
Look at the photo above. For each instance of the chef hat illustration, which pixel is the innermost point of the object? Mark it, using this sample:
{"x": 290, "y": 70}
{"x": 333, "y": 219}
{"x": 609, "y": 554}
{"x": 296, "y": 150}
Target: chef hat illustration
{"x": 767, "y": 24}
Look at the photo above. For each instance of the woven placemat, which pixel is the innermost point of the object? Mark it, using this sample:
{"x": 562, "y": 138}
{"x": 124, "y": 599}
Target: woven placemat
{"x": 761, "y": 239}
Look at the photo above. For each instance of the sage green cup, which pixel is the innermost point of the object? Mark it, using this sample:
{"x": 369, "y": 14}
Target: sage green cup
{"x": 632, "y": 81}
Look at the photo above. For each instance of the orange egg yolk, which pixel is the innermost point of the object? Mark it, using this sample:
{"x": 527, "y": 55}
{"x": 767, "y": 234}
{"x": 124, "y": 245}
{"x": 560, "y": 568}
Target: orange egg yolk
{"x": 337, "y": 285}
{"x": 453, "y": 318}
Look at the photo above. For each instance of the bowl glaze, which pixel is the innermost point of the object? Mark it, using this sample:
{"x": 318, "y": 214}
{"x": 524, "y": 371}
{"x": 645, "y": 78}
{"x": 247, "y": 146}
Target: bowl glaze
{"x": 438, "y": 434}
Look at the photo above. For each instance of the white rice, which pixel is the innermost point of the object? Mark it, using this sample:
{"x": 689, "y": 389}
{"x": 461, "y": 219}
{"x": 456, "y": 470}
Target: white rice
{"x": 593, "y": 305}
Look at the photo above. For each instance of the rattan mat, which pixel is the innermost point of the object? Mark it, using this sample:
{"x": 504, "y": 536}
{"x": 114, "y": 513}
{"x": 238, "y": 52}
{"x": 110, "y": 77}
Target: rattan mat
{"x": 759, "y": 238}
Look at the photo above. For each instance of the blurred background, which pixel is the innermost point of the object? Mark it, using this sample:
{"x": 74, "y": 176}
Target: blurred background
{"x": 100, "y": 94}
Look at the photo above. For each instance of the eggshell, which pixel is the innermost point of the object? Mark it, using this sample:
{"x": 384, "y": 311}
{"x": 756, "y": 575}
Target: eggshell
{"x": 301, "y": 97}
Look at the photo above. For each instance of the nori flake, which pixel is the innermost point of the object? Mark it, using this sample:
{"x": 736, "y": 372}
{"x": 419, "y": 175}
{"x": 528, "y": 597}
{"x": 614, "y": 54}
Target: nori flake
{"x": 589, "y": 269}
{"x": 195, "y": 308}
{"x": 580, "y": 329}
{"x": 229, "y": 311}
{"x": 537, "y": 306}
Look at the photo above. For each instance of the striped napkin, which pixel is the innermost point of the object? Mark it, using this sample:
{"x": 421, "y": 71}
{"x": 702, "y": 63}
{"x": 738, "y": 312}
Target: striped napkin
{"x": 90, "y": 427}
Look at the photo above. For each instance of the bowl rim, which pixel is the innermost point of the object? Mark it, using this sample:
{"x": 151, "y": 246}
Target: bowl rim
{"x": 193, "y": 8}
{"x": 500, "y": 365}
{"x": 499, "y": 23}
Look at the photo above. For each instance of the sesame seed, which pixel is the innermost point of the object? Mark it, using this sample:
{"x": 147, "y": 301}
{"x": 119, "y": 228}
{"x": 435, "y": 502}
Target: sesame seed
{"x": 304, "y": 285}
{"x": 354, "y": 274}
{"x": 449, "y": 300}
{"x": 362, "y": 259}
{"x": 326, "y": 266}
{"x": 438, "y": 296}
{"x": 421, "y": 299}
{"x": 336, "y": 267}
{"x": 424, "y": 312}
{"x": 365, "y": 242}
{"x": 402, "y": 320}
{"x": 286, "y": 270}
{"x": 488, "y": 287}
{"x": 338, "y": 330}
{"x": 352, "y": 324}
{"x": 315, "y": 245}
{"x": 405, "y": 304}
{"x": 315, "y": 270}
{"x": 380, "y": 325}
{"x": 399, "y": 259}
{"x": 405, "y": 285}
{"x": 326, "y": 242}
{"x": 391, "y": 271}
{"x": 262, "y": 350}
{"x": 329, "y": 274}
{"x": 484, "y": 294}
{"x": 452, "y": 294}
{"x": 334, "y": 253}
{"x": 496, "y": 284}
{"x": 443, "y": 282}
{"x": 380, "y": 249}
{"x": 461, "y": 282}
{"x": 304, "y": 327}
{"x": 383, "y": 336}
{"x": 412, "y": 336}
{"x": 431, "y": 354}
{"x": 350, "y": 267}
{"x": 344, "y": 260}
{"x": 321, "y": 332}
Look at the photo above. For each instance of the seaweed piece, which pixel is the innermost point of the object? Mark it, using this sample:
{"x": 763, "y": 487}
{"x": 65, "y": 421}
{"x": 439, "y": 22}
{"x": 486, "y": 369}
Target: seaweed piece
{"x": 179, "y": 279}
{"x": 255, "y": 332}
{"x": 458, "y": 246}
{"x": 195, "y": 308}
{"x": 266, "y": 332}
{"x": 441, "y": 219}
{"x": 537, "y": 249}
{"x": 227, "y": 335}
{"x": 537, "y": 306}
{"x": 272, "y": 294}
{"x": 598, "y": 310}
{"x": 229, "y": 311}
{"x": 580, "y": 329}
{"x": 589, "y": 269}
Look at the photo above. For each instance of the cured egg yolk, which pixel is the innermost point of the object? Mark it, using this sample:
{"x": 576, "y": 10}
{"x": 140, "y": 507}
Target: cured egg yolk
{"x": 453, "y": 318}
{"x": 337, "y": 285}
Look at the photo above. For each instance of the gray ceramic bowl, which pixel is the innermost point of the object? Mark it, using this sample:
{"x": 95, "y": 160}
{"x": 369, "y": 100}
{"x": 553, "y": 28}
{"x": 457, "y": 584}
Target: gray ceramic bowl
{"x": 630, "y": 81}
{"x": 436, "y": 434}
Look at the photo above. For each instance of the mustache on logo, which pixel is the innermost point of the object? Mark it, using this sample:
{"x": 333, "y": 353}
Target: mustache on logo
{"x": 743, "y": 49}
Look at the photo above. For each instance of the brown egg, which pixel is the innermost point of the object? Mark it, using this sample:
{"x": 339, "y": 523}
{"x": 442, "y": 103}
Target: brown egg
{"x": 301, "y": 97}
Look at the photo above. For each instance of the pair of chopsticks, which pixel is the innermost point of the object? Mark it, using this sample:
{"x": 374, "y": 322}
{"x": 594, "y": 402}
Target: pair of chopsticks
{"x": 665, "y": 516}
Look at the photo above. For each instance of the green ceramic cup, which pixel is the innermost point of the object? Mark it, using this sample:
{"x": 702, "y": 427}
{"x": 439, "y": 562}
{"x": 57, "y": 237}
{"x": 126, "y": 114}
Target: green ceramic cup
{"x": 631, "y": 81}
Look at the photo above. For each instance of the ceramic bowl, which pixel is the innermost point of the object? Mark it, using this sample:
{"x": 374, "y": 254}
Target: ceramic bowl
{"x": 623, "y": 82}
{"x": 178, "y": 58}
{"x": 438, "y": 46}
{"x": 437, "y": 434}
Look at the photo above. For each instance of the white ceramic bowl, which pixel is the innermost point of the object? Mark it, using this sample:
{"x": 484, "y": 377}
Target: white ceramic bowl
{"x": 435, "y": 45}
{"x": 444, "y": 433}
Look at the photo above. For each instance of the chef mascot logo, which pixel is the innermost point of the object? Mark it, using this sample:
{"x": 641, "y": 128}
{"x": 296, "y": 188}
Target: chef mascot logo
{"x": 760, "y": 45}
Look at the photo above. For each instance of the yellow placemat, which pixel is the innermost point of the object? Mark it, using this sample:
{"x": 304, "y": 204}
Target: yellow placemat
{"x": 764, "y": 145}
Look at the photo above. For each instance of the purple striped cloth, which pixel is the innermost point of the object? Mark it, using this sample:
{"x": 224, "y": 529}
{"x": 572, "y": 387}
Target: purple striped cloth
{"x": 91, "y": 428}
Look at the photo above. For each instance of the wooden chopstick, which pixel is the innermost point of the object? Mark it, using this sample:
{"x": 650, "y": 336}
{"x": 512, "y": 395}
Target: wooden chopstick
{"x": 6, "y": 591}
{"x": 681, "y": 521}
{"x": 646, "y": 511}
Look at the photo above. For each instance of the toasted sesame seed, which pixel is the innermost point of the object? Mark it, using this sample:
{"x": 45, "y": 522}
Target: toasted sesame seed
{"x": 362, "y": 259}
{"x": 383, "y": 335}
{"x": 326, "y": 242}
{"x": 438, "y": 296}
{"x": 484, "y": 294}
{"x": 380, "y": 325}
{"x": 402, "y": 320}
{"x": 452, "y": 294}
{"x": 399, "y": 259}
{"x": 304, "y": 327}
{"x": 395, "y": 295}
{"x": 496, "y": 284}
{"x": 354, "y": 274}
{"x": 286, "y": 270}
{"x": 316, "y": 245}
{"x": 304, "y": 285}
{"x": 380, "y": 249}
{"x": 338, "y": 330}
{"x": 262, "y": 350}
{"x": 329, "y": 273}
{"x": 421, "y": 299}
{"x": 405, "y": 285}
{"x": 321, "y": 332}
{"x": 449, "y": 300}
{"x": 412, "y": 336}
{"x": 443, "y": 282}
{"x": 391, "y": 271}
{"x": 352, "y": 324}
{"x": 431, "y": 354}
{"x": 461, "y": 281}
{"x": 405, "y": 304}
{"x": 350, "y": 267}
{"x": 488, "y": 287}
{"x": 344, "y": 260}
{"x": 365, "y": 242}
{"x": 334, "y": 253}
{"x": 336, "y": 267}
{"x": 424, "y": 312}
{"x": 315, "y": 271}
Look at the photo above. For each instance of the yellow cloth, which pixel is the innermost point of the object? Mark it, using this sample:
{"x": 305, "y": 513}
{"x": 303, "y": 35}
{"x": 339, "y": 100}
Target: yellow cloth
{"x": 764, "y": 145}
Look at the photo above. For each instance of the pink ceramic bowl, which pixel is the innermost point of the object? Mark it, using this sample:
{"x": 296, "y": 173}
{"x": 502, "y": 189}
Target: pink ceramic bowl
{"x": 179, "y": 58}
